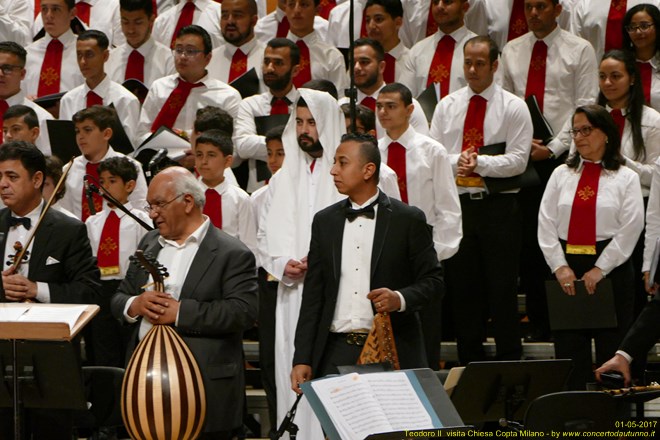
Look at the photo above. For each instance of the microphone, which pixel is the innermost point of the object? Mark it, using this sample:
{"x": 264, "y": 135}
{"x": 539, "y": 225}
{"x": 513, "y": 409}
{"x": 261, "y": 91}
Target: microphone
{"x": 287, "y": 424}
{"x": 152, "y": 167}
{"x": 88, "y": 195}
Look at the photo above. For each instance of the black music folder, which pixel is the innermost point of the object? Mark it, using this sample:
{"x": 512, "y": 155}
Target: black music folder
{"x": 136, "y": 87}
{"x": 62, "y": 135}
{"x": 542, "y": 128}
{"x": 496, "y": 185}
{"x": 247, "y": 84}
{"x": 428, "y": 99}
{"x": 581, "y": 311}
{"x": 49, "y": 101}
{"x": 119, "y": 140}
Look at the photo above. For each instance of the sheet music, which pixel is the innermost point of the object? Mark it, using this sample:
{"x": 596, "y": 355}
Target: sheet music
{"x": 67, "y": 315}
{"x": 11, "y": 314}
{"x": 399, "y": 401}
{"x": 352, "y": 408}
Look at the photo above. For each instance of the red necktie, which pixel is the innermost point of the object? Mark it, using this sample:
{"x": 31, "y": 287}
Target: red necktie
{"x": 582, "y": 225}
{"x": 108, "y": 251}
{"x": 646, "y": 74}
{"x": 283, "y": 28}
{"x": 305, "y": 73}
{"x": 390, "y": 68}
{"x": 154, "y": 6}
{"x": 135, "y": 66}
{"x": 213, "y": 207}
{"x": 37, "y": 8}
{"x": 370, "y": 102}
{"x": 325, "y": 6}
{"x": 431, "y": 25}
{"x": 473, "y": 129}
{"x": 175, "y": 102}
{"x": 311, "y": 166}
{"x": 279, "y": 106}
{"x": 613, "y": 34}
{"x": 82, "y": 12}
{"x": 536, "y": 72}
{"x": 93, "y": 99}
{"x": 93, "y": 170}
{"x": 517, "y": 21}
{"x": 440, "y": 70}
{"x": 3, "y": 108}
{"x": 185, "y": 19}
{"x": 619, "y": 120}
{"x": 238, "y": 67}
{"x": 363, "y": 27}
{"x": 49, "y": 79}
{"x": 396, "y": 159}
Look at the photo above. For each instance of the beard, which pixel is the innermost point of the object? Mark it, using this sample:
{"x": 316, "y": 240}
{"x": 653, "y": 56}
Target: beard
{"x": 238, "y": 38}
{"x": 309, "y": 145}
{"x": 368, "y": 82}
{"x": 279, "y": 82}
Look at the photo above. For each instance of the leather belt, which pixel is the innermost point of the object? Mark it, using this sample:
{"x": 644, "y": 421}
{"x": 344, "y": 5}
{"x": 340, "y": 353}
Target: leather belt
{"x": 474, "y": 196}
{"x": 352, "y": 338}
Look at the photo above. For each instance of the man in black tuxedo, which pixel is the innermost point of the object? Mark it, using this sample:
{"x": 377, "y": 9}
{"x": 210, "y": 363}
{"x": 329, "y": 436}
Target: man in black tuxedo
{"x": 361, "y": 261}
{"x": 60, "y": 267}
{"x": 211, "y": 293}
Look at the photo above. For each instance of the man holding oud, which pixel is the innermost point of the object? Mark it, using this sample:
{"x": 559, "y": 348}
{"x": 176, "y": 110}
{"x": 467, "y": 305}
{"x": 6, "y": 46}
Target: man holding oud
{"x": 368, "y": 254}
{"x": 210, "y": 295}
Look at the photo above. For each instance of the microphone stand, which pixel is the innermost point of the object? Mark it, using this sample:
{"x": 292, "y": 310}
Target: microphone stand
{"x": 106, "y": 195}
{"x": 287, "y": 424}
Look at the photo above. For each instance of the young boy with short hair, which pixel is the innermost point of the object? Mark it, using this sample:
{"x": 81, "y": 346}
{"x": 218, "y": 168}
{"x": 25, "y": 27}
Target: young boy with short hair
{"x": 114, "y": 237}
{"x": 227, "y": 205}
{"x": 93, "y": 132}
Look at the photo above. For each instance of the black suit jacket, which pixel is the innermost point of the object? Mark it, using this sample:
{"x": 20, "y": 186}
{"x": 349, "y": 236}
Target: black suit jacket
{"x": 403, "y": 258}
{"x": 218, "y": 302}
{"x": 74, "y": 278}
{"x": 645, "y": 332}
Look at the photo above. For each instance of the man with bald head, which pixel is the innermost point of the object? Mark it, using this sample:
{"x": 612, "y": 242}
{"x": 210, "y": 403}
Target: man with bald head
{"x": 210, "y": 295}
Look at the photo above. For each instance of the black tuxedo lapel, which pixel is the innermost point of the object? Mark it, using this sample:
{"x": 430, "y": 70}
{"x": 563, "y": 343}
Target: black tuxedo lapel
{"x": 205, "y": 255}
{"x": 4, "y": 229}
{"x": 336, "y": 234}
{"x": 382, "y": 226}
{"x": 40, "y": 246}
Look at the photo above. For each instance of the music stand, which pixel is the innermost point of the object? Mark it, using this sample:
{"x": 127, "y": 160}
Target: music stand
{"x": 39, "y": 365}
{"x": 489, "y": 391}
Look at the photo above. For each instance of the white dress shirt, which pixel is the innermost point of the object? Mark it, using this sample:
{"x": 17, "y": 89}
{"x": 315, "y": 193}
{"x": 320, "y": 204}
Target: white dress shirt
{"x": 507, "y": 120}
{"x": 206, "y": 15}
{"x": 20, "y": 234}
{"x": 266, "y": 28}
{"x": 247, "y": 143}
{"x": 419, "y": 62}
{"x": 655, "y": 81}
{"x": 103, "y": 16}
{"x": 220, "y": 65}
{"x": 43, "y": 141}
{"x": 237, "y": 214}
{"x": 589, "y": 20}
{"x": 338, "y": 23}
{"x": 650, "y": 134}
{"x": 214, "y": 92}
{"x": 130, "y": 234}
{"x": 158, "y": 61}
{"x": 430, "y": 186}
{"x": 257, "y": 201}
{"x": 326, "y": 60}
{"x": 15, "y": 21}
{"x": 401, "y": 54}
{"x": 72, "y": 199}
{"x": 70, "y": 76}
{"x": 619, "y": 215}
{"x": 652, "y": 218}
{"x": 125, "y": 103}
{"x": 571, "y": 75}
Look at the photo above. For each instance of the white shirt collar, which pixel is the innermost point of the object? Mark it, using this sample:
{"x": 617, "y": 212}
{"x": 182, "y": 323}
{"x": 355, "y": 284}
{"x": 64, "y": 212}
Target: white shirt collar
{"x": 195, "y": 238}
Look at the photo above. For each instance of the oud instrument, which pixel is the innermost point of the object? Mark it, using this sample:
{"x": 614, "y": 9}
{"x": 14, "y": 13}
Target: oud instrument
{"x": 163, "y": 394}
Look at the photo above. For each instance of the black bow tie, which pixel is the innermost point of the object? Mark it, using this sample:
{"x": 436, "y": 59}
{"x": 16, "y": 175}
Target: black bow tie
{"x": 15, "y": 221}
{"x": 367, "y": 211}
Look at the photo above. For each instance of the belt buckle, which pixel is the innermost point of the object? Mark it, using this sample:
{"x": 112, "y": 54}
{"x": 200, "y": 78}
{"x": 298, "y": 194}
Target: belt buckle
{"x": 356, "y": 339}
{"x": 477, "y": 196}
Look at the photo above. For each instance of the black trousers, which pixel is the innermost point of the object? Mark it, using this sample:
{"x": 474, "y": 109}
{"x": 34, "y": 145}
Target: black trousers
{"x": 337, "y": 352}
{"x": 482, "y": 277}
{"x": 576, "y": 344}
{"x": 267, "y": 300}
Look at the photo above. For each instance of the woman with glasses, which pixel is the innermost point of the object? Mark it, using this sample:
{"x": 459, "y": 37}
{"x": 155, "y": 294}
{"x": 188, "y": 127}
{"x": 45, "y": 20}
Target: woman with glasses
{"x": 590, "y": 218}
{"x": 640, "y": 37}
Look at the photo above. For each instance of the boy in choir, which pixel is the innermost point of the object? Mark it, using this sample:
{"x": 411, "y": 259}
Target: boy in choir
{"x": 114, "y": 237}
{"x": 227, "y": 206}
{"x": 93, "y": 132}
{"x": 20, "y": 123}
{"x": 99, "y": 89}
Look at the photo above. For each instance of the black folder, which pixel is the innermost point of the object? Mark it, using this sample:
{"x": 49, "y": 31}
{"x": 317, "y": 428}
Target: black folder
{"x": 496, "y": 185}
{"x": 119, "y": 140}
{"x": 542, "y": 128}
{"x": 428, "y": 99}
{"x": 581, "y": 311}
{"x": 136, "y": 87}
{"x": 62, "y": 135}
{"x": 247, "y": 84}
{"x": 48, "y": 101}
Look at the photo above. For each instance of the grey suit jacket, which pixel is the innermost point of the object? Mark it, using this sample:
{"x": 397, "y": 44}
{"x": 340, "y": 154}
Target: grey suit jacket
{"x": 218, "y": 302}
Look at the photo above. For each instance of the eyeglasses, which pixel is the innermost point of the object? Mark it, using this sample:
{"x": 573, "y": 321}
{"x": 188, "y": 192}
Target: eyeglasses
{"x": 584, "y": 131}
{"x": 644, "y": 26}
{"x": 187, "y": 52}
{"x": 7, "y": 69}
{"x": 158, "y": 207}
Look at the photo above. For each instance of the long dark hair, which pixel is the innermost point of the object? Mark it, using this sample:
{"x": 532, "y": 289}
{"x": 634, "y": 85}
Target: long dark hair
{"x": 600, "y": 118}
{"x": 650, "y": 9}
{"x": 635, "y": 99}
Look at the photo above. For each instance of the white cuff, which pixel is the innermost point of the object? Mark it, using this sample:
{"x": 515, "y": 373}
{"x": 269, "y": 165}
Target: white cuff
{"x": 403, "y": 302}
{"x": 625, "y": 355}
{"x": 43, "y": 292}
